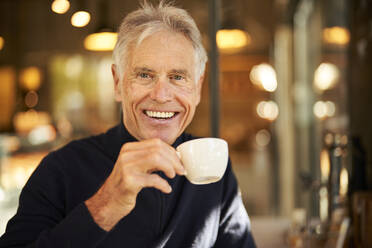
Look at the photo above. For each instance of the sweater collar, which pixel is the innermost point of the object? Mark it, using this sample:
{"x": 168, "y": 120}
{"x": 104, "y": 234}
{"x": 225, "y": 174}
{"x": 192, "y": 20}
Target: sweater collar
{"x": 117, "y": 136}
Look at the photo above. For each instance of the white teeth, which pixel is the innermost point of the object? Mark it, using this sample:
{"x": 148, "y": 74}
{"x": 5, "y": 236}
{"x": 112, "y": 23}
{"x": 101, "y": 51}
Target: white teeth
{"x": 156, "y": 114}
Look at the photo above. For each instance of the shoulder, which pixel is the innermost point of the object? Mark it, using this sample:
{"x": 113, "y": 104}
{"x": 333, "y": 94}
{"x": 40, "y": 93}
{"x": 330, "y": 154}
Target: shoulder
{"x": 80, "y": 146}
{"x": 93, "y": 146}
{"x": 66, "y": 165}
{"x": 70, "y": 151}
{"x": 81, "y": 152}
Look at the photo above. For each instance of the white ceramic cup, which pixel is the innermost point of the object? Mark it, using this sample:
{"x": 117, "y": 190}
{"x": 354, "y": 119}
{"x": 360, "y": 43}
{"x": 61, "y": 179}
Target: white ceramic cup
{"x": 205, "y": 159}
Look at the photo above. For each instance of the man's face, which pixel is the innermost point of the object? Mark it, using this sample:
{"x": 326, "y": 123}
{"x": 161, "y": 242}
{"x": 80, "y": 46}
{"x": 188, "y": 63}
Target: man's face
{"x": 159, "y": 91}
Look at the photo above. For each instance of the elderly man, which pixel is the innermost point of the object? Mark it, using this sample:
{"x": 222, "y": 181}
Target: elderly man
{"x": 125, "y": 188}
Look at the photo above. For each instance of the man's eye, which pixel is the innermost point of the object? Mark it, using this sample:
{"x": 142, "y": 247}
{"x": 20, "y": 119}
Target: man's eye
{"x": 144, "y": 75}
{"x": 177, "y": 77}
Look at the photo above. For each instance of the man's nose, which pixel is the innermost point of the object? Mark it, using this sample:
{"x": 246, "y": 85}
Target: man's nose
{"x": 161, "y": 91}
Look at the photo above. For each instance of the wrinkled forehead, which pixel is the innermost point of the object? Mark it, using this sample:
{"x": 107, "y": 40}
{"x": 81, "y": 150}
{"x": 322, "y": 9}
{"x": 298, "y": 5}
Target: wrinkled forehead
{"x": 160, "y": 43}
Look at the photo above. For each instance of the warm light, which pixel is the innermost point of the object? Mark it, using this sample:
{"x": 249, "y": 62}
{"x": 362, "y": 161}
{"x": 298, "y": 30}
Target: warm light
{"x": 268, "y": 110}
{"x": 320, "y": 109}
{"x": 323, "y": 202}
{"x": 42, "y": 134}
{"x": 232, "y": 39}
{"x": 24, "y": 122}
{"x": 264, "y": 75}
{"x": 336, "y": 35}
{"x": 331, "y": 108}
{"x": 11, "y": 143}
{"x": 74, "y": 66}
{"x": 74, "y": 100}
{"x": 31, "y": 99}
{"x": 263, "y": 137}
{"x": 20, "y": 175}
{"x": 16, "y": 169}
{"x": 8, "y": 96}
{"x": 326, "y": 76}
{"x": 30, "y": 78}
{"x": 324, "y": 109}
{"x": 60, "y": 6}
{"x": 344, "y": 181}
{"x": 1, "y": 43}
{"x": 325, "y": 165}
{"x": 80, "y": 19}
{"x": 104, "y": 41}
{"x": 64, "y": 127}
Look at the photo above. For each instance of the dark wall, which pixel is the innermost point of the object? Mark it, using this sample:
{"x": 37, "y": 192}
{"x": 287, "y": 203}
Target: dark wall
{"x": 360, "y": 88}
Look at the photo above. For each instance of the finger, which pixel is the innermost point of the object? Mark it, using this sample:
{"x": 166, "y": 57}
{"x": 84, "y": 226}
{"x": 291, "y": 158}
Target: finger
{"x": 155, "y": 181}
{"x": 176, "y": 161}
{"x": 143, "y": 144}
{"x": 157, "y": 161}
{"x": 144, "y": 161}
{"x": 169, "y": 153}
{"x": 151, "y": 147}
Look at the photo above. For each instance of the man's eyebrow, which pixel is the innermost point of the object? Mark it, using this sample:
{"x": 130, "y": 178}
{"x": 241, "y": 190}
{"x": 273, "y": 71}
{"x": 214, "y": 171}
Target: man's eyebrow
{"x": 143, "y": 69}
{"x": 181, "y": 71}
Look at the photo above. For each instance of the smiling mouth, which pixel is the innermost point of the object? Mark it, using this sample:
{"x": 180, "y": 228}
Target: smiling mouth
{"x": 160, "y": 115}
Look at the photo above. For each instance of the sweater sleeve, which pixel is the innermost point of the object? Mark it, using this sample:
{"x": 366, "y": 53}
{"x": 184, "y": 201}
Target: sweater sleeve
{"x": 41, "y": 219}
{"x": 235, "y": 229}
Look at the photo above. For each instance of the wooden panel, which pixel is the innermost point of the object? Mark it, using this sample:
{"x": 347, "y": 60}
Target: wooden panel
{"x": 7, "y": 96}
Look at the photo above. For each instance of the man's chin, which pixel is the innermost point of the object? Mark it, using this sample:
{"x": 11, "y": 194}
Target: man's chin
{"x": 167, "y": 137}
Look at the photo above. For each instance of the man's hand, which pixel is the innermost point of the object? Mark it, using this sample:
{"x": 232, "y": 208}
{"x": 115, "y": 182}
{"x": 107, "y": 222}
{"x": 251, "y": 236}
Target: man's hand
{"x": 133, "y": 172}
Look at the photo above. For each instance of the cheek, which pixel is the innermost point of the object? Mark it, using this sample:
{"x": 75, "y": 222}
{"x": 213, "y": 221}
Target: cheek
{"x": 134, "y": 94}
{"x": 127, "y": 95}
{"x": 189, "y": 97}
{"x": 129, "y": 91}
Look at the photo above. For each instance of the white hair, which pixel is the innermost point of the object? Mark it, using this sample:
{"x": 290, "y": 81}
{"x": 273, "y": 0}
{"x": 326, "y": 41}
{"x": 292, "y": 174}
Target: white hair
{"x": 148, "y": 20}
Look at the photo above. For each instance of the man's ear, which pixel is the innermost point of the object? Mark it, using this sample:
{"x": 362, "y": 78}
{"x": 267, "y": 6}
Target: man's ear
{"x": 199, "y": 88}
{"x": 117, "y": 84}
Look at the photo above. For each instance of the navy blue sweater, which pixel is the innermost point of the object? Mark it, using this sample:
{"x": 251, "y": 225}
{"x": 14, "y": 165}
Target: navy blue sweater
{"x": 52, "y": 212}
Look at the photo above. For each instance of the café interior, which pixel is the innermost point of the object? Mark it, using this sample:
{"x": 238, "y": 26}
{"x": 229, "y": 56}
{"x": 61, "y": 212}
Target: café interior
{"x": 288, "y": 85}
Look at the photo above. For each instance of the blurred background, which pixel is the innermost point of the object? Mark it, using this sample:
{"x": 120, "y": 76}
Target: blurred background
{"x": 288, "y": 85}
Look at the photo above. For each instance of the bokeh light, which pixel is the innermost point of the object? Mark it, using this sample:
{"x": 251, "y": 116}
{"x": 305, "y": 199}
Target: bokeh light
{"x": 42, "y": 134}
{"x": 325, "y": 165}
{"x": 80, "y": 19}
{"x": 263, "y": 137}
{"x": 336, "y": 35}
{"x": 60, "y": 6}
{"x": 344, "y": 182}
{"x": 104, "y": 41}
{"x": 326, "y": 76}
{"x": 31, "y": 99}
{"x": 74, "y": 66}
{"x": 331, "y": 108}
{"x": 323, "y": 109}
{"x": 320, "y": 109}
{"x": 26, "y": 121}
{"x": 263, "y": 75}
{"x": 1, "y": 42}
{"x": 232, "y": 39}
{"x": 30, "y": 78}
{"x": 267, "y": 110}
